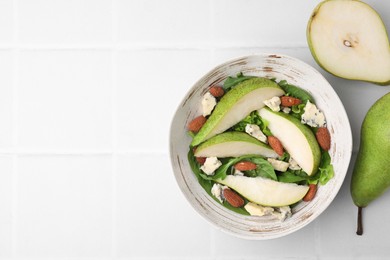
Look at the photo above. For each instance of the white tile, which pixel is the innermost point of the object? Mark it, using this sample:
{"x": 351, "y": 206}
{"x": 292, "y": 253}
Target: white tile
{"x": 64, "y": 206}
{"x": 151, "y": 85}
{"x": 6, "y": 21}
{"x": 65, "y": 21}
{"x": 6, "y": 201}
{"x": 153, "y": 218}
{"x": 65, "y": 100}
{"x": 337, "y": 235}
{"x": 261, "y": 23}
{"x": 300, "y": 245}
{"x": 222, "y": 55}
{"x": 164, "y": 22}
{"x": 6, "y": 96}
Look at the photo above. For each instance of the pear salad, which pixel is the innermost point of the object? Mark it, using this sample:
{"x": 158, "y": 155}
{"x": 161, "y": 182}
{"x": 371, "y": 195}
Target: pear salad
{"x": 260, "y": 146}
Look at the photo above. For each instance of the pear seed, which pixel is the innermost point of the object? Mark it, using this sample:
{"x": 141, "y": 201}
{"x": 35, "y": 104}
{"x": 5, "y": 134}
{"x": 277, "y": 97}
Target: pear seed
{"x": 347, "y": 43}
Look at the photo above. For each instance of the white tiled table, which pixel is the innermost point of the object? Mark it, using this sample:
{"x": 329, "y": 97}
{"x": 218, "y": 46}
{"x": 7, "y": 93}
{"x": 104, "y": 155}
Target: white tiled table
{"x": 87, "y": 92}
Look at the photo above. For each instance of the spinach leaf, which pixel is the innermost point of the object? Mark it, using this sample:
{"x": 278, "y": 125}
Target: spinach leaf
{"x": 208, "y": 184}
{"x": 233, "y": 81}
{"x": 291, "y": 177}
{"x": 285, "y": 157}
{"x": 296, "y": 91}
{"x": 241, "y": 210}
{"x": 222, "y": 171}
{"x": 264, "y": 169}
{"x": 195, "y": 167}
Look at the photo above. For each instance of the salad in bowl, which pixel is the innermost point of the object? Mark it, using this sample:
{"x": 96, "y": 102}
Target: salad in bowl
{"x": 260, "y": 145}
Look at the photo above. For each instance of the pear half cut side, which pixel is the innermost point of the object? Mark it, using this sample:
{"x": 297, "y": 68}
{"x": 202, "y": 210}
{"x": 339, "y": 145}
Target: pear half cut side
{"x": 264, "y": 191}
{"x": 233, "y": 144}
{"x": 236, "y": 104}
{"x": 349, "y": 40}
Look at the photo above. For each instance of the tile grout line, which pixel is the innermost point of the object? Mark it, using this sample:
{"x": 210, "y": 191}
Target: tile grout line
{"x": 145, "y": 46}
{"x": 212, "y": 61}
{"x": 114, "y": 81}
{"x": 15, "y": 130}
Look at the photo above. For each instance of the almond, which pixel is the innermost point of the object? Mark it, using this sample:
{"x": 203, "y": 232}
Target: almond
{"x": 233, "y": 198}
{"x": 323, "y": 138}
{"x": 276, "y": 145}
{"x": 245, "y": 166}
{"x": 196, "y": 124}
{"x": 287, "y": 101}
{"x": 310, "y": 193}
{"x": 200, "y": 160}
{"x": 217, "y": 91}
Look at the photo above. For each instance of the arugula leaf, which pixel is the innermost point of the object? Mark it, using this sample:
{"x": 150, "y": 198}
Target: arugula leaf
{"x": 296, "y": 91}
{"x": 233, "y": 81}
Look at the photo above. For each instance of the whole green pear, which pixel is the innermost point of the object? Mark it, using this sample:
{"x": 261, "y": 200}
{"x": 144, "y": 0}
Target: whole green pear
{"x": 371, "y": 174}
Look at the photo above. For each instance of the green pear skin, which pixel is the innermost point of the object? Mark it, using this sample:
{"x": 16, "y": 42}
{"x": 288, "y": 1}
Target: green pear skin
{"x": 371, "y": 174}
{"x": 236, "y": 104}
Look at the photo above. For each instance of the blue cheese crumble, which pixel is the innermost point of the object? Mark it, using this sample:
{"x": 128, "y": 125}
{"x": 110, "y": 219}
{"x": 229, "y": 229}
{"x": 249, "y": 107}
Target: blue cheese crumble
{"x": 273, "y": 103}
{"x": 208, "y": 103}
{"x": 210, "y": 165}
{"x": 216, "y": 191}
{"x": 254, "y": 130}
{"x": 278, "y": 165}
{"x": 313, "y": 116}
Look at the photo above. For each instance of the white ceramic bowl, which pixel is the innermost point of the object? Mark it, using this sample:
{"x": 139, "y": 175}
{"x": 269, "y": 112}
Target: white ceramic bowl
{"x": 297, "y": 73}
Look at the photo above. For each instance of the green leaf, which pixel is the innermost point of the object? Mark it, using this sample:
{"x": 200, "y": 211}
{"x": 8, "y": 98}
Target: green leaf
{"x": 208, "y": 184}
{"x": 285, "y": 157}
{"x": 298, "y": 110}
{"x": 291, "y": 177}
{"x": 233, "y": 81}
{"x": 264, "y": 127}
{"x": 295, "y": 91}
{"x": 195, "y": 167}
{"x": 264, "y": 169}
{"x": 253, "y": 118}
{"x": 326, "y": 168}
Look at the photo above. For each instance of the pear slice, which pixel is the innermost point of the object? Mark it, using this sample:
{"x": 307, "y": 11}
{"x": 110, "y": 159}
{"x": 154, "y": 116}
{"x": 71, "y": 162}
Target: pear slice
{"x": 233, "y": 144}
{"x": 298, "y": 140}
{"x": 264, "y": 191}
{"x": 349, "y": 40}
{"x": 236, "y": 104}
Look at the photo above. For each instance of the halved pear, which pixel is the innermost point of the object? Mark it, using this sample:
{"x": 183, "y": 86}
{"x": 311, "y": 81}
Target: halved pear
{"x": 349, "y": 40}
{"x": 233, "y": 144}
{"x": 264, "y": 191}
{"x": 298, "y": 140}
{"x": 236, "y": 104}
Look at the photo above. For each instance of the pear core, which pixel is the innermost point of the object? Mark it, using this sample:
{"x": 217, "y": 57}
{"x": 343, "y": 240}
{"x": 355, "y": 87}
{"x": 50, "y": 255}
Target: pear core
{"x": 349, "y": 40}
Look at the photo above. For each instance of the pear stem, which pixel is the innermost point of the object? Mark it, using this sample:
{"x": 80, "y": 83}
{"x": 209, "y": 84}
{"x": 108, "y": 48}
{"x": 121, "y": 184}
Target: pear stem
{"x": 359, "y": 222}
